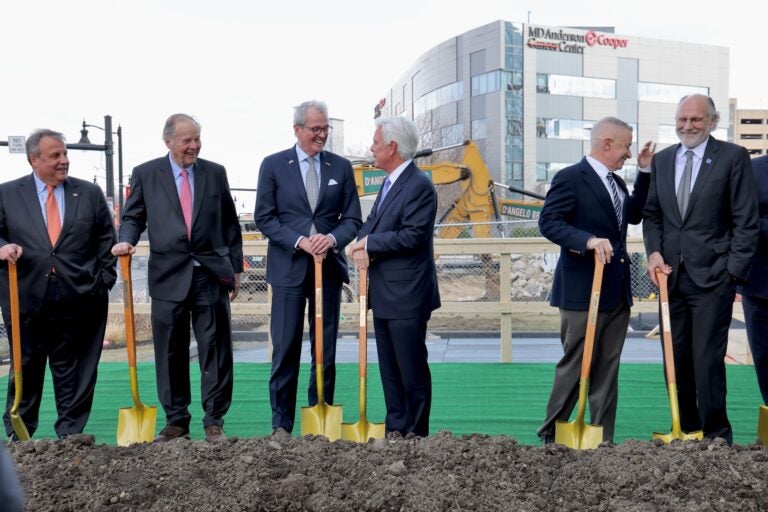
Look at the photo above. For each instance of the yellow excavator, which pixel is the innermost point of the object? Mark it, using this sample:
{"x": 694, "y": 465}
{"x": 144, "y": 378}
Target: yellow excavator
{"x": 476, "y": 205}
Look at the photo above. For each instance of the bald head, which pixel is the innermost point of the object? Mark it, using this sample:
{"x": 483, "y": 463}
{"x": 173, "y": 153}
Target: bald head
{"x": 611, "y": 140}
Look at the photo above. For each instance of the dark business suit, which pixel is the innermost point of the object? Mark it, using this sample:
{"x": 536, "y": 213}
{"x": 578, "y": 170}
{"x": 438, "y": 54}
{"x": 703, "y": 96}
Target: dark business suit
{"x": 283, "y": 214}
{"x": 577, "y": 208}
{"x": 755, "y": 292}
{"x": 179, "y": 289}
{"x": 715, "y": 241}
{"x": 403, "y": 293}
{"x": 63, "y": 313}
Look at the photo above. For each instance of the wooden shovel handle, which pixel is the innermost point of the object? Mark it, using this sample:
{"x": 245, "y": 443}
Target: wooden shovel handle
{"x": 594, "y": 304}
{"x": 363, "y": 333}
{"x": 319, "y": 311}
{"x": 666, "y": 326}
{"x": 13, "y": 285}
{"x": 130, "y": 330}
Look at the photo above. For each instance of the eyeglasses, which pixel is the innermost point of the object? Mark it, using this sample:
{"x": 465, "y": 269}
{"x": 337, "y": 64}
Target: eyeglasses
{"x": 692, "y": 120}
{"x": 317, "y": 130}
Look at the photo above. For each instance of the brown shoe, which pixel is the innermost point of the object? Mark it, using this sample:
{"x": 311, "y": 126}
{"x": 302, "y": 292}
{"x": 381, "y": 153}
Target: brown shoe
{"x": 171, "y": 432}
{"x": 280, "y": 433}
{"x": 215, "y": 434}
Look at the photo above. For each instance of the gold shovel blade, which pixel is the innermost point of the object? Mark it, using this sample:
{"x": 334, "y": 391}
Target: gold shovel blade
{"x": 698, "y": 435}
{"x": 362, "y": 431}
{"x": 578, "y": 435}
{"x": 19, "y": 428}
{"x": 321, "y": 420}
{"x": 136, "y": 425}
{"x": 762, "y": 425}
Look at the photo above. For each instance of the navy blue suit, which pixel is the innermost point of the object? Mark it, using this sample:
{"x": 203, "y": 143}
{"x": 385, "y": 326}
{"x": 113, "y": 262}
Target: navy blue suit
{"x": 755, "y": 292}
{"x": 283, "y": 215}
{"x": 403, "y": 293}
{"x": 577, "y": 208}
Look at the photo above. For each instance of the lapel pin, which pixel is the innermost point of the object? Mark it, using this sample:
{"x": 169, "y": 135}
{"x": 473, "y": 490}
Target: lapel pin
{"x": 709, "y": 160}
{"x": 328, "y": 164}
{"x": 290, "y": 162}
{"x": 74, "y": 194}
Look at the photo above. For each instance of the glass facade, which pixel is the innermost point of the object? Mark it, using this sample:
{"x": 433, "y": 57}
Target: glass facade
{"x": 439, "y": 97}
{"x": 666, "y": 93}
{"x": 571, "y": 129}
{"x": 478, "y": 129}
{"x": 512, "y": 81}
{"x": 567, "y": 85}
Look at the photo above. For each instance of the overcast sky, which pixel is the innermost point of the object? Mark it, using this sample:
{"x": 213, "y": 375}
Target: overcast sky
{"x": 240, "y": 66}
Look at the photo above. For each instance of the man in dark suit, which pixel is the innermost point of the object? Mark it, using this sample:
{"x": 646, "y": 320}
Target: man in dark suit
{"x": 307, "y": 206}
{"x": 395, "y": 244}
{"x": 701, "y": 228}
{"x": 59, "y": 231}
{"x": 588, "y": 209}
{"x": 195, "y": 261}
{"x": 754, "y": 294}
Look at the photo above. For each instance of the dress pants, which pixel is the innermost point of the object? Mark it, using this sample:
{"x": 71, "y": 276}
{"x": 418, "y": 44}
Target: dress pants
{"x": 603, "y": 390}
{"x": 700, "y": 320}
{"x": 756, "y": 316}
{"x": 405, "y": 376}
{"x": 68, "y": 335}
{"x": 287, "y": 326}
{"x": 207, "y": 304}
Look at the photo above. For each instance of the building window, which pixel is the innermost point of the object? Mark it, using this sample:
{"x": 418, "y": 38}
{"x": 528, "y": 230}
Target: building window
{"x": 439, "y": 97}
{"x": 567, "y": 85}
{"x": 478, "y": 129}
{"x": 751, "y": 136}
{"x": 545, "y": 171}
{"x": 751, "y": 121}
{"x": 755, "y": 151}
{"x": 666, "y": 93}
{"x": 571, "y": 129}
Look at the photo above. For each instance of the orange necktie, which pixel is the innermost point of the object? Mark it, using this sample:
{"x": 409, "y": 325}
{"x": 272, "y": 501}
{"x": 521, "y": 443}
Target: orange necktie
{"x": 54, "y": 219}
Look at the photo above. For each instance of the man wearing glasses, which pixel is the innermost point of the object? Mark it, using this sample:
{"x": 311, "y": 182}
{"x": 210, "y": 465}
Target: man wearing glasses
{"x": 307, "y": 206}
{"x": 701, "y": 228}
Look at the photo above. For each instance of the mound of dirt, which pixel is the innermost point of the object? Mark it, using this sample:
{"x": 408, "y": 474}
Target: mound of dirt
{"x": 443, "y": 472}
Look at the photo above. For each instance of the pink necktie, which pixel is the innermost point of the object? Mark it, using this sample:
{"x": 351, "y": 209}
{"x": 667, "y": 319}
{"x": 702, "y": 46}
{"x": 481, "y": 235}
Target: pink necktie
{"x": 185, "y": 196}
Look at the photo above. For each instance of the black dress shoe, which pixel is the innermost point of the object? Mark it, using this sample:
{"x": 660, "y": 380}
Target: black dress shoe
{"x": 547, "y": 439}
{"x": 171, "y": 432}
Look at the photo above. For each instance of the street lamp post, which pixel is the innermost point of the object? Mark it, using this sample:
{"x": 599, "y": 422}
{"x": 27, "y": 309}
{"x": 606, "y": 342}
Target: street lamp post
{"x": 108, "y": 149}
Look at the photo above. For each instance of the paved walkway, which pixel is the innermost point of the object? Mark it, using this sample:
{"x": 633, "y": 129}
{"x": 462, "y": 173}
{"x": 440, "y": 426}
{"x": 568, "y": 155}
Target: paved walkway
{"x": 487, "y": 350}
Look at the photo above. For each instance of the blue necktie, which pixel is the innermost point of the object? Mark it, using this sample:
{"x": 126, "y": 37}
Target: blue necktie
{"x": 383, "y": 194}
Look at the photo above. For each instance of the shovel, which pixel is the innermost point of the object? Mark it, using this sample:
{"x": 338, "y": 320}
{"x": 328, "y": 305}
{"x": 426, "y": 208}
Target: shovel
{"x": 320, "y": 419}
{"x": 363, "y": 430}
{"x": 669, "y": 368}
{"x": 576, "y": 434}
{"x": 134, "y": 424}
{"x": 19, "y": 428}
{"x": 762, "y": 425}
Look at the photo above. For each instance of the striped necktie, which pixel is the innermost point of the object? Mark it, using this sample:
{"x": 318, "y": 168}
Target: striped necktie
{"x": 615, "y": 196}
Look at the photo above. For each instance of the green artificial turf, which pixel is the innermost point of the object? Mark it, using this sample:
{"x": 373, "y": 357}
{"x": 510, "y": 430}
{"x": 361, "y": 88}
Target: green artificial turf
{"x": 493, "y": 399}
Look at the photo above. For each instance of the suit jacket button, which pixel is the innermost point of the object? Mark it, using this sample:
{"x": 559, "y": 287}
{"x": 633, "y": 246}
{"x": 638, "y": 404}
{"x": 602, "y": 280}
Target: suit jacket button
{"x": 622, "y": 260}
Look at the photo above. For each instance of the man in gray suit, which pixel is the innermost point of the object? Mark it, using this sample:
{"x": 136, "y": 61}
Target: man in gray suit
{"x": 701, "y": 228}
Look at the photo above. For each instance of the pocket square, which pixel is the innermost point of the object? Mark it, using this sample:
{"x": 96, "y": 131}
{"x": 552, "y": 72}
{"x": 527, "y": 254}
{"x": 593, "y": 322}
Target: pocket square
{"x": 333, "y": 182}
